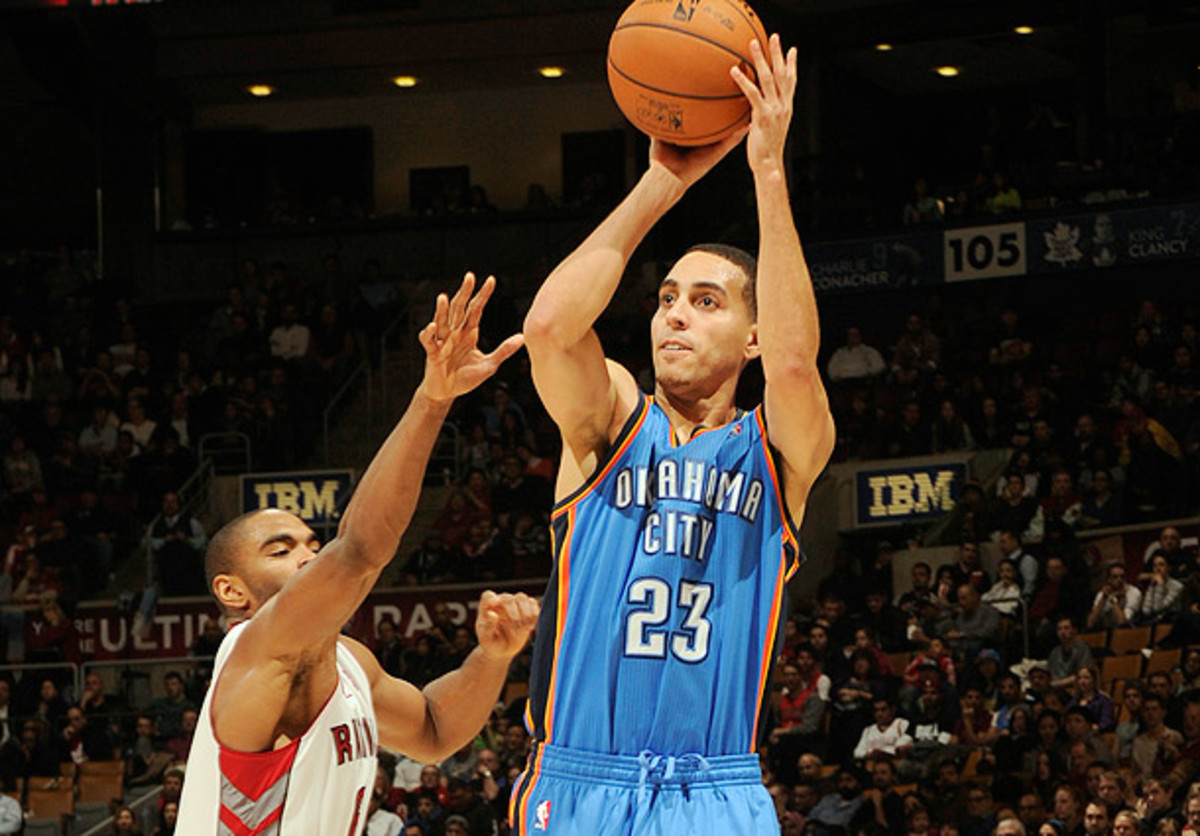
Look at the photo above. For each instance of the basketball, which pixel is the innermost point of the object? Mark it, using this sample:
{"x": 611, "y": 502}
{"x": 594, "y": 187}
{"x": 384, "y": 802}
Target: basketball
{"x": 668, "y": 67}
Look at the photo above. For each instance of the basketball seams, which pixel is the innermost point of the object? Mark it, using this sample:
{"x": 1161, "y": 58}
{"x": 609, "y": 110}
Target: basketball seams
{"x": 687, "y": 34}
{"x": 760, "y": 28}
{"x": 673, "y": 93}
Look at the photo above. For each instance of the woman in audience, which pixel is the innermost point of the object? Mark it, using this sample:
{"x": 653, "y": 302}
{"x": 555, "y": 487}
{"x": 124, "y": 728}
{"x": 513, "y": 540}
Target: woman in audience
{"x": 1162, "y": 599}
{"x": 1098, "y": 704}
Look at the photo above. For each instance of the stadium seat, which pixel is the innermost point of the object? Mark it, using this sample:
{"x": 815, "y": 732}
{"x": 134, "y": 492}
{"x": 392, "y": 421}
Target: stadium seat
{"x": 1129, "y": 639}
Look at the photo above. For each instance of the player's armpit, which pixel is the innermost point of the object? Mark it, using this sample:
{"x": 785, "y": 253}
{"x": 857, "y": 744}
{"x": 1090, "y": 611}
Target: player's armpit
{"x": 800, "y": 427}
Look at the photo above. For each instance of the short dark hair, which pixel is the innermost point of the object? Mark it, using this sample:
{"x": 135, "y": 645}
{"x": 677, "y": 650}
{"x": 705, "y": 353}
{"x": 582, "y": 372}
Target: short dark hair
{"x": 744, "y": 262}
{"x": 219, "y": 558}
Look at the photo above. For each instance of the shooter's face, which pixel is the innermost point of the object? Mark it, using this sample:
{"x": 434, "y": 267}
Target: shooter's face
{"x": 703, "y": 331}
{"x": 275, "y": 546}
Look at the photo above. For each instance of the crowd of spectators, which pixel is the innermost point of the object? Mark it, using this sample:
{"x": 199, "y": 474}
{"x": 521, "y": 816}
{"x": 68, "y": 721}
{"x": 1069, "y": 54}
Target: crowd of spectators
{"x": 1101, "y": 433}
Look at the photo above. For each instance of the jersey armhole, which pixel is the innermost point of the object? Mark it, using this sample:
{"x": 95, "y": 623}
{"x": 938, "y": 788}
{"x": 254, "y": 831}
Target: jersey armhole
{"x": 615, "y": 451}
{"x": 791, "y": 533}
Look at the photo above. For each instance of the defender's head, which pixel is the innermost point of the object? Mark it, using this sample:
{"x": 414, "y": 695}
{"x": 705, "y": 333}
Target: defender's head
{"x": 253, "y": 556}
{"x": 704, "y": 329}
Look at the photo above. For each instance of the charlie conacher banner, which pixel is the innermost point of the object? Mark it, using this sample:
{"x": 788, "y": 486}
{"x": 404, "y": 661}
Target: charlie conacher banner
{"x": 896, "y": 495}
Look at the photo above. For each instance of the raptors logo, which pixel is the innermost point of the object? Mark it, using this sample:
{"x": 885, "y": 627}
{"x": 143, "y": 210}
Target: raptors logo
{"x": 542, "y": 816}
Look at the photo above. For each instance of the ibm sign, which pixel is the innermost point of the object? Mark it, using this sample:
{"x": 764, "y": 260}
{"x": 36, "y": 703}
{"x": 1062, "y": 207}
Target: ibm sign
{"x": 317, "y": 497}
{"x": 890, "y": 496}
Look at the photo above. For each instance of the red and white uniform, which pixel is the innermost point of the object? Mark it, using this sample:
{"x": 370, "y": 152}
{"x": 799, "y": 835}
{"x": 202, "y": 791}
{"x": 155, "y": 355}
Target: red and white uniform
{"x": 320, "y": 783}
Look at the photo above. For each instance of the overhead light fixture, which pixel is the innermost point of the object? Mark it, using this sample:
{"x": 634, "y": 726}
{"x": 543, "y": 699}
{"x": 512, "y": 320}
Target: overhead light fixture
{"x": 405, "y": 81}
{"x": 1023, "y": 30}
{"x": 260, "y": 91}
{"x": 883, "y": 47}
{"x": 551, "y": 72}
{"x": 946, "y": 71}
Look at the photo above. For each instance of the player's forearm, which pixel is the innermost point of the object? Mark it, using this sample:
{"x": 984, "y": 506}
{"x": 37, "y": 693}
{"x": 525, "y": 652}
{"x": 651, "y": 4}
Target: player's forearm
{"x": 789, "y": 332}
{"x": 387, "y": 494}
{"x": 459, "y": 703}
{"x": 575, "y": 295}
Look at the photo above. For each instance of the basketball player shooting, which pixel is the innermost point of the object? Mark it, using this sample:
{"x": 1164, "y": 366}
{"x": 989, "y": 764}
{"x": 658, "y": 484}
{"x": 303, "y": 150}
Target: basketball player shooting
{"x": 675, "y": 516}
{"x": 288, "y": 732}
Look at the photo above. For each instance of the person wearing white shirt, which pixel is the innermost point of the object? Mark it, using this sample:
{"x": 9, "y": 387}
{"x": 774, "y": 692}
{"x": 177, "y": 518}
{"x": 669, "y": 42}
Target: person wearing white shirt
{"x": 11, "y": 819}
{"x": 887, "y": 736}
{"x": 1010, "y": 549}
{"x": 380, "y": 822}
{"x": 1117, "y": 603}
{"x": 290, "y": 339}
{"x": 855, "y": 361}
{"x": 1006, "y": 592}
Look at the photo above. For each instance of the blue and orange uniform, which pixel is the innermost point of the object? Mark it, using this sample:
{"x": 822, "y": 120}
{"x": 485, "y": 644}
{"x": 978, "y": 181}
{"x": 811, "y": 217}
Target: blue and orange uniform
{"x": 656, "y": 637}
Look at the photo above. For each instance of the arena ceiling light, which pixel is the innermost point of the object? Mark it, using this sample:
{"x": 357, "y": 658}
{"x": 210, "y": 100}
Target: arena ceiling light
{"x": 947, "y": 71}
{"x": 551, "y": 72}
{"x": 883, "y": 47}
{"x": 1023, "y": 30}
{"x": 405, "y": 81}
{"x": 260, "y": 91}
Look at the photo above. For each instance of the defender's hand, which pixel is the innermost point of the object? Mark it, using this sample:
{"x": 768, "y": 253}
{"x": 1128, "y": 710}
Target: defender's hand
{"x": 454, "y": 364}
{"x": 504, "y": 623}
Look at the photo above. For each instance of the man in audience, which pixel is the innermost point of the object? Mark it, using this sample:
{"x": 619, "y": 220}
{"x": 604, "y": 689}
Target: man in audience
{"x": 1069, "y": 655}
{"x": 1157, "y": 748}
{"x": 1117, "y": 603}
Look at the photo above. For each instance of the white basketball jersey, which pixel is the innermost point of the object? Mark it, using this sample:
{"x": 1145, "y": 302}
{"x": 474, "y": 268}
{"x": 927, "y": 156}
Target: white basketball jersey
{"x": 317, "y": 785}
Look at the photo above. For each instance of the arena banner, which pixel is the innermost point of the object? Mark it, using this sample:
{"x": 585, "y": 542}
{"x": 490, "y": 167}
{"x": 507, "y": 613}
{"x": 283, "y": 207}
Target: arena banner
{"x": 315, "y": 496}
{"x": 913, "y": 493}
{"x": 985, "y": 252}
{"x": 1114, "y": 238}
{"x": 106, "y": 632}
{"x": 891, "y": 263}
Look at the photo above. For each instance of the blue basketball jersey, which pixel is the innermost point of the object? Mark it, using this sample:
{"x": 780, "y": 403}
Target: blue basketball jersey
{"x": 659, "y": 624}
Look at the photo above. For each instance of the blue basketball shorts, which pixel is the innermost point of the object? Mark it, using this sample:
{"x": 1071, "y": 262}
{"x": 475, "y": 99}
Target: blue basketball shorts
{"x": 566, "y": 792}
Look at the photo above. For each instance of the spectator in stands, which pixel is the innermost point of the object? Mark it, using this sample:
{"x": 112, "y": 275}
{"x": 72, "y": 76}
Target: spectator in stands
{"x": 1005, "y": 595}
{"x": 145, "y": 761}
{"x": 887, "y": 736}
{"x": 101, "y": 708}
{"x": 806, "y": 693}
{"x": 921, "y": 591}
{"x": 1117, "y": 603}
{"x": 1062, "y": 503}
{"x": 290, "y": 339}
{"x": 1162, "y": 600}
{"x": 855, "y": 363}
{"x": 1004, "y": 197}
{"x": 388, "y": 649}
{"x": 86, "y": 741}
{"x": 179, "y": 746}
{"x": 1156, "y": 749}
{"x": 922, "y": 207}
{"x": 975, "y": 726}
{"x": 1126, "y": 823}
{"x": 475, "y": 814}
{"x": 1013, "y": 510}
{"x": 975, "y": 626}
{"x": 1170, "y": 546}
{"x": 1088, "y": 696}
{"x": 950, "y": 433}
{"x": 1101, "y": 508}
{"x": 886, "y": 623}
{"x": 911, "y": 436}
{"x": 967, "y": 569}
{"x": 11, "y": 819}
{"x": 177, "y": 543}
{"x": 22, "y": 471}
{"x": 918, "y": 352}
{"x": 34, "y": 756}
{"x": 1055, "y": 595}
{"x": 842, "y": 807}
{"x": 1069, "y": 655}
{"x": 168, "y": 710}
{"x": 1155, "y": 805}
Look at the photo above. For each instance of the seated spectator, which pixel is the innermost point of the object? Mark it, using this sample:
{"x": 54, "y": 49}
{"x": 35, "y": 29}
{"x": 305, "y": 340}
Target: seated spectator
{"x": 843, "y": 807}
{"x": 1102, "y": 508}
{"x": 1088, "y": 696}
{"x": 1062, "y": 503}
{"x": 911, "y": 436}
{"x": 806, "y": 692}
{"x": 885, "y": 622}
{"x": 426, "y": 813}
{"x": 950, "y": 433}
{"x": 167, "y": 710}
{"x": 177, "y": 543}
{"x": 855, "y": 362}
{"x": 1004, "y": 197}
{"x": 922, "y": 589}
{"x": 888, "y": 735}
{"x": 1014, "y": 510}
{"x": 474, "y": 814}
{"x": 125, "y": 823}
{"x": 83, "y": 740}
{"x": 1005, "y": 595}
{"x": 975, "y": 726}
{"x": 1069, "y": 655}
{"x": 922, "y": 207}
{"x": 975, "y": 626}
{"x": 1117, "y": 603}
{"x": 1162, "y": 600}
{"x": 179, "y": 745}
{"x": 145, "y": 760}
{"x": 1156, "y": 748}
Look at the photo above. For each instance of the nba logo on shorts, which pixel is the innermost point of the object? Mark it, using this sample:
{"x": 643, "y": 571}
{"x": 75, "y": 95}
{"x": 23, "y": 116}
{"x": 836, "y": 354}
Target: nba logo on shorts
{"x": 542, "y": 816}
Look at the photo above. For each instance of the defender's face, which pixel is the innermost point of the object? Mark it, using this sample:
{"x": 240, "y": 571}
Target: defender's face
{"x": 275, "y": 545}
{"x": 702, "y": 329}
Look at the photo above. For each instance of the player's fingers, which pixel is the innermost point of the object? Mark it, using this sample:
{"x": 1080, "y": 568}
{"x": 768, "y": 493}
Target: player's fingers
{"x": 778, "y": 64}
{"x": 459, "y": 303}
{"x": 747, "y": 86}
{"x": 505, "y": 350}
{"x": 766, "y": 79}
{"x": 479, "y": 302}
{"x": 529, "y": 609}
{"x": 441, "y": 317}
{"x": 789, "y": 75}
{"x": 426, "y": 336}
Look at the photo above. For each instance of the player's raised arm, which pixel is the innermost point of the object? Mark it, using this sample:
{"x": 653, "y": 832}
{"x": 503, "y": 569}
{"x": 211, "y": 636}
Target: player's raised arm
{"x": 315, "y": 600}
{"x": 587, "y": 397}
{"x": 431, "y": 724}
{"x": 799, "y": 424}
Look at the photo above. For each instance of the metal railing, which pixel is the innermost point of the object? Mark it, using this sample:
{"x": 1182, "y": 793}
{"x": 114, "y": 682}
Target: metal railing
{"x": 137, "y": 805}
{"x": 237, "y": 457}
{"x": 446, "y": 458}
{"x": 131, "y": 669}
{"x": 17, "y": 672}
{"x": 363, "y": 369}
{"x": 405, "y": 319}
{"x": 192, "y": 494}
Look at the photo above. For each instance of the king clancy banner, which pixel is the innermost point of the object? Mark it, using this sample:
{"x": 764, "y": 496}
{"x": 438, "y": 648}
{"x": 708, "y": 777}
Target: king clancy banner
{"x": 106, "y": 631}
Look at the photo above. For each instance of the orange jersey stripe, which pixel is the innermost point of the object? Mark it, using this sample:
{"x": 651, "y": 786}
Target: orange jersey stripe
{"x": 595, "y": 480}
{"x": 769, "y": 645}
{"x": 564, "y": 589}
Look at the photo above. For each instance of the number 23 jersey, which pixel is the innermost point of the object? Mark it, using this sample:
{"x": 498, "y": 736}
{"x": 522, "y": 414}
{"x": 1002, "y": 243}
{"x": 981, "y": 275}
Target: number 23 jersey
{"x": 659, "y": 624}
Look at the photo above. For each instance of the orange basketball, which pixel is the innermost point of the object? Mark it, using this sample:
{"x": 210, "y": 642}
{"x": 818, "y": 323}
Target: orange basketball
{"x": 668, "y": 67}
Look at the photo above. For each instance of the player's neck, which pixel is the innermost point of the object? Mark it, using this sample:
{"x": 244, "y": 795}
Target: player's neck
{"x": 688, "y": 414}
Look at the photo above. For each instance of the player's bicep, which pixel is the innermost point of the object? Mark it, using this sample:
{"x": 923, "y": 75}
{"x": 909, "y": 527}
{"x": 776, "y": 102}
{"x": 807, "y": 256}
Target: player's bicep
{"x": 800, "y": 427}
